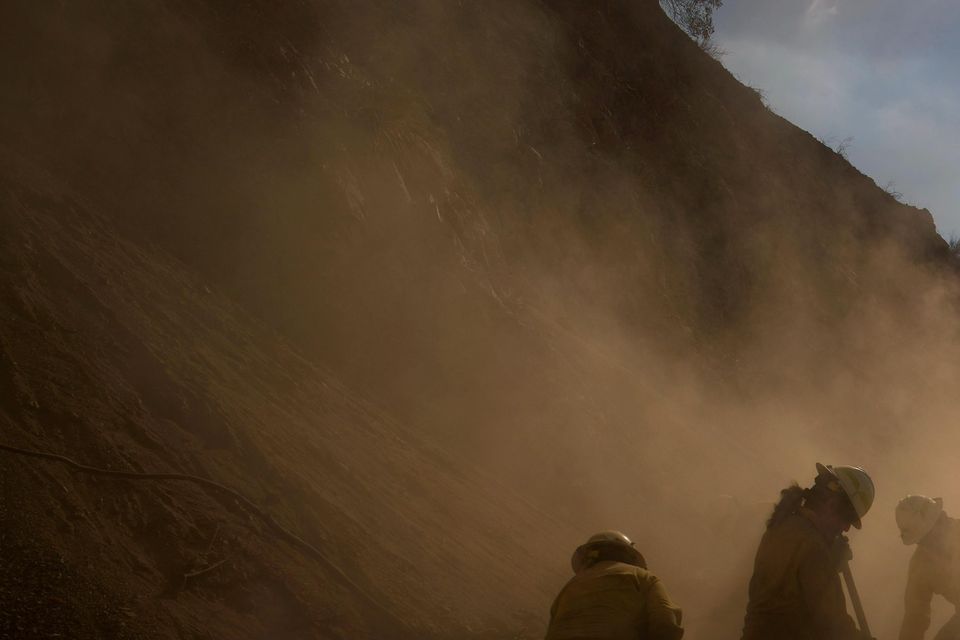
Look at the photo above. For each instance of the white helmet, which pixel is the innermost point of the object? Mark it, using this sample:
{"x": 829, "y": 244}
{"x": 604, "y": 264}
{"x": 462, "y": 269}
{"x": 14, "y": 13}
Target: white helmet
{"x": 916, "y": 516}
{"x": 856, "y": 484}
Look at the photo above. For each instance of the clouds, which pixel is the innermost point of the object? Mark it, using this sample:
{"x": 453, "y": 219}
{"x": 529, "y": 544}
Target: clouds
{"x": 820, "y": 11}
{"x": 882, "y": 71}
{"x": 866, "y": 27}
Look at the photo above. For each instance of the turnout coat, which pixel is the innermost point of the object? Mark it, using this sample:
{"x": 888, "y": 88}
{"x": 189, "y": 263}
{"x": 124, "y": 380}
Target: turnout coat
{"x": 795, "y": 591}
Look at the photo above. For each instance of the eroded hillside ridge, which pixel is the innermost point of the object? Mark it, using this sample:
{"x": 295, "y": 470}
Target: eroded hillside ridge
{"x": 556, "y": 242}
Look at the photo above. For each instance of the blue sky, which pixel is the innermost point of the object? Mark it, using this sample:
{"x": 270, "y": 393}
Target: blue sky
{"x": 884, "y": 72}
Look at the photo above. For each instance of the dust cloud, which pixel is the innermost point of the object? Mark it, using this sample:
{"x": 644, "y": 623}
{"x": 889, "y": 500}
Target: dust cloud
{"x": 557, "y": 239}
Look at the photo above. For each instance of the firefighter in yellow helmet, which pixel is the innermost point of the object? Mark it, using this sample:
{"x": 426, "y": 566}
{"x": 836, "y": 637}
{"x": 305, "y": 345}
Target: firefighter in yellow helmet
{"x": 612, "y": 596}
{"x": 934, "y": 567}
{"x": 795, "y": 591}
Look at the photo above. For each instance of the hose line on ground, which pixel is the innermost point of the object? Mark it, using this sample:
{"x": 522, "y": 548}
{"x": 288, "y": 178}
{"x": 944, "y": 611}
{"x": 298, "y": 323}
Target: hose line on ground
{"x": 275, "y": 526}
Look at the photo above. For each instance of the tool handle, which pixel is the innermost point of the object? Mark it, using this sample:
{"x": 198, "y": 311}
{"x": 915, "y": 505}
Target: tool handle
{"x": 855, "y": 599}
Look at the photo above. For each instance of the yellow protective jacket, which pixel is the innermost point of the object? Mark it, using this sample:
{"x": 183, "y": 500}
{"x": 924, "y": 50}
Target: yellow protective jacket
{"x": 614, "y": 601}
{"x": 933, "y": 570}
{"x": 795, "y": 591}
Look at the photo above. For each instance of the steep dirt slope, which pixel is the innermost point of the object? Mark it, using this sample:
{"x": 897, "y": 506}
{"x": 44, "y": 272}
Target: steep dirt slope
{"x": 117, "y": 357}
{"x": 553, "y": 236}
{"x": 402, "y": 191}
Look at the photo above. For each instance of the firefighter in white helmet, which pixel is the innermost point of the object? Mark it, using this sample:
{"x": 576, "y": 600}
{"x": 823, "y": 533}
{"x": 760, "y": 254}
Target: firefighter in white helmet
{"x": 934, "y": 567}
{"x": 612, "y": 596}
{"x": 795, "y": 592}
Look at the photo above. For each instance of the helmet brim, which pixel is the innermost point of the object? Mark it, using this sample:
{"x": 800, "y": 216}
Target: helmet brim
{"x": 827, "y": 470}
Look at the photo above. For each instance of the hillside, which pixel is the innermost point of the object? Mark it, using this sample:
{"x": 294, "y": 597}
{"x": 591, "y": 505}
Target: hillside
{"x": 116, "y": 356}
{"x": 444, "y": 289}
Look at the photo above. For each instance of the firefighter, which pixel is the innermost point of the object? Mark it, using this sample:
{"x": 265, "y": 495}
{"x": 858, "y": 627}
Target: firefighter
{"x": 612, "y": 596}
{"x": 795, "y": 591}
{"x": 934, "y": 566}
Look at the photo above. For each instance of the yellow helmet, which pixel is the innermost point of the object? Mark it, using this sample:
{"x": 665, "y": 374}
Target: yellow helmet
{"x": 610, "y": 537}
{"x": 591, "y": 551}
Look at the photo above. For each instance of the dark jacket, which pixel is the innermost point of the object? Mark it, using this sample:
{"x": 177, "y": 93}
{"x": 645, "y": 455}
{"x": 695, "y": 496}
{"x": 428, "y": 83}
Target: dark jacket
{"x": 795, "y": 591}
{"x": 614, "y": 601}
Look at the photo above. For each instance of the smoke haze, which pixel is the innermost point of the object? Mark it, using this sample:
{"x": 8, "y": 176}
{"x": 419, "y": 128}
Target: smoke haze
{"x": 557, "y": 243}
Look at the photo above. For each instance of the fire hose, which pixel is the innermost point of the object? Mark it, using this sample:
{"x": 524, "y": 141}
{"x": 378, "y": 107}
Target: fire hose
{"x": 397, "y": 625}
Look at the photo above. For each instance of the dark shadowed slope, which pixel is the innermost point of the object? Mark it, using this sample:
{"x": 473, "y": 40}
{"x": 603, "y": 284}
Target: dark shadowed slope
{"x": 117, "y": 357}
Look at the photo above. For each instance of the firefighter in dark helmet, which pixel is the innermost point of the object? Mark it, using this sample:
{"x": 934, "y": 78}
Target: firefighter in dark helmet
{"x": 795, "y": 592}
{"x": 612, "y": 596}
